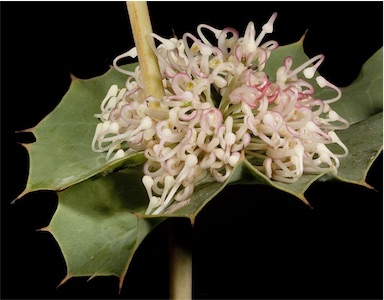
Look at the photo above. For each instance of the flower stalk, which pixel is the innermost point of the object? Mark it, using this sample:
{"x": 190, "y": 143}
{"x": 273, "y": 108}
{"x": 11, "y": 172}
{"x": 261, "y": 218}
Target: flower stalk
{"x": 180, "y": 251}
{"x": 180, "y": 258}
{"x": 142, "y": 29}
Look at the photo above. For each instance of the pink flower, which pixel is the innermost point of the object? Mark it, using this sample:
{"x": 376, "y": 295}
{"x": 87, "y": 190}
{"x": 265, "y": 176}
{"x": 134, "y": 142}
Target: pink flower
{"x": 219, "y": 107}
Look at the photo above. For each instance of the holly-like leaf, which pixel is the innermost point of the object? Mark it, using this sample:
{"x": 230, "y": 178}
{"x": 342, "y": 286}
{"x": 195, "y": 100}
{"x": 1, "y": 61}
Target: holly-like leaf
{"x": 364, "y": 97}
{"x": 62, "y": 154}
{"x": 100, "y": 223}
{"x": 360, "y": 100}
{"x": 365, "y": 143}
{"x": 97, "y": 224}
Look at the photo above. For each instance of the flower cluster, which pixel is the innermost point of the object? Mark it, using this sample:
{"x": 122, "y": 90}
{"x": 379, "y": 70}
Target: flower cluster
{"x": 219, "y": 106}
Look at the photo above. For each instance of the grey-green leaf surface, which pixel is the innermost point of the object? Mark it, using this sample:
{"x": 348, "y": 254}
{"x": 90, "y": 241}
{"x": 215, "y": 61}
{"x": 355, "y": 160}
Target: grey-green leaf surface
{"x": 365, "y": 143}
{"x": 97, "y": 224}
{"x": 100, "y": 223}
{"x": 62, "y": 154}
{"x": 364, "y": 97}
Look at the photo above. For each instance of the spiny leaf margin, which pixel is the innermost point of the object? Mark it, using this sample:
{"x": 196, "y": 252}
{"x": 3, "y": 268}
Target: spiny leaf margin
{"x": 97, "y": 224}
{"x": 62, "y": 224}
{"x": 62, "y": 154}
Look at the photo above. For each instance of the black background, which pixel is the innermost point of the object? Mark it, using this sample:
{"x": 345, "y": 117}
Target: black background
{"x": 250, "y": 241}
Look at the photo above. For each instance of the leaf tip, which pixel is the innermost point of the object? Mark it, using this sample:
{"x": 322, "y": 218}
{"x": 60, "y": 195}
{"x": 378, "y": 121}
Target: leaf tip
{"x": 301, "y": 41}
{"x": 73, "y": 78}
{"x": 365, "y": 184}
{"x": 65, "y": 279}
{"x": 121, "y": 282}
{"x": 21, "y": 195}
{"x": 26, "y": 130}
{"x": 46, "y": 229}
{"x": 192, "y": 219}
{"x": 92, "y": 276}
{"x": 302, "y": 198}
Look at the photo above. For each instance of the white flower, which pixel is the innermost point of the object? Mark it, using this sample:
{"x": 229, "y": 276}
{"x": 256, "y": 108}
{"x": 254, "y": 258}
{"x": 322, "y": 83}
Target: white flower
{"x": 219, "y": 106}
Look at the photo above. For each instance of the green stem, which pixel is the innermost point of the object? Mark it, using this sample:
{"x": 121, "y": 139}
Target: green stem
{"x": 180, "y": 230}
{"x": 180, "y": 258}
{"x": 141, "y": 30}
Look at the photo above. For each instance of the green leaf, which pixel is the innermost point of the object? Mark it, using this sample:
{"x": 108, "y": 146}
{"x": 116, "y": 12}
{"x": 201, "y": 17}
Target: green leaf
{"x": 360, "y": 100}
{"x": 364, "y": 97}
{"x": 62, "y": 154}
{"x": 97, "y": 224}
{"x": 365, "y": 143}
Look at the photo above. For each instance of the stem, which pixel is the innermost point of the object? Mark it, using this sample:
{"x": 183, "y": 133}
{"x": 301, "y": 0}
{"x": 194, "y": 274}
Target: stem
{"x": 180, "y": 230}
{"x": 142, "y": 29}
{"x": 180, "y": 258}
